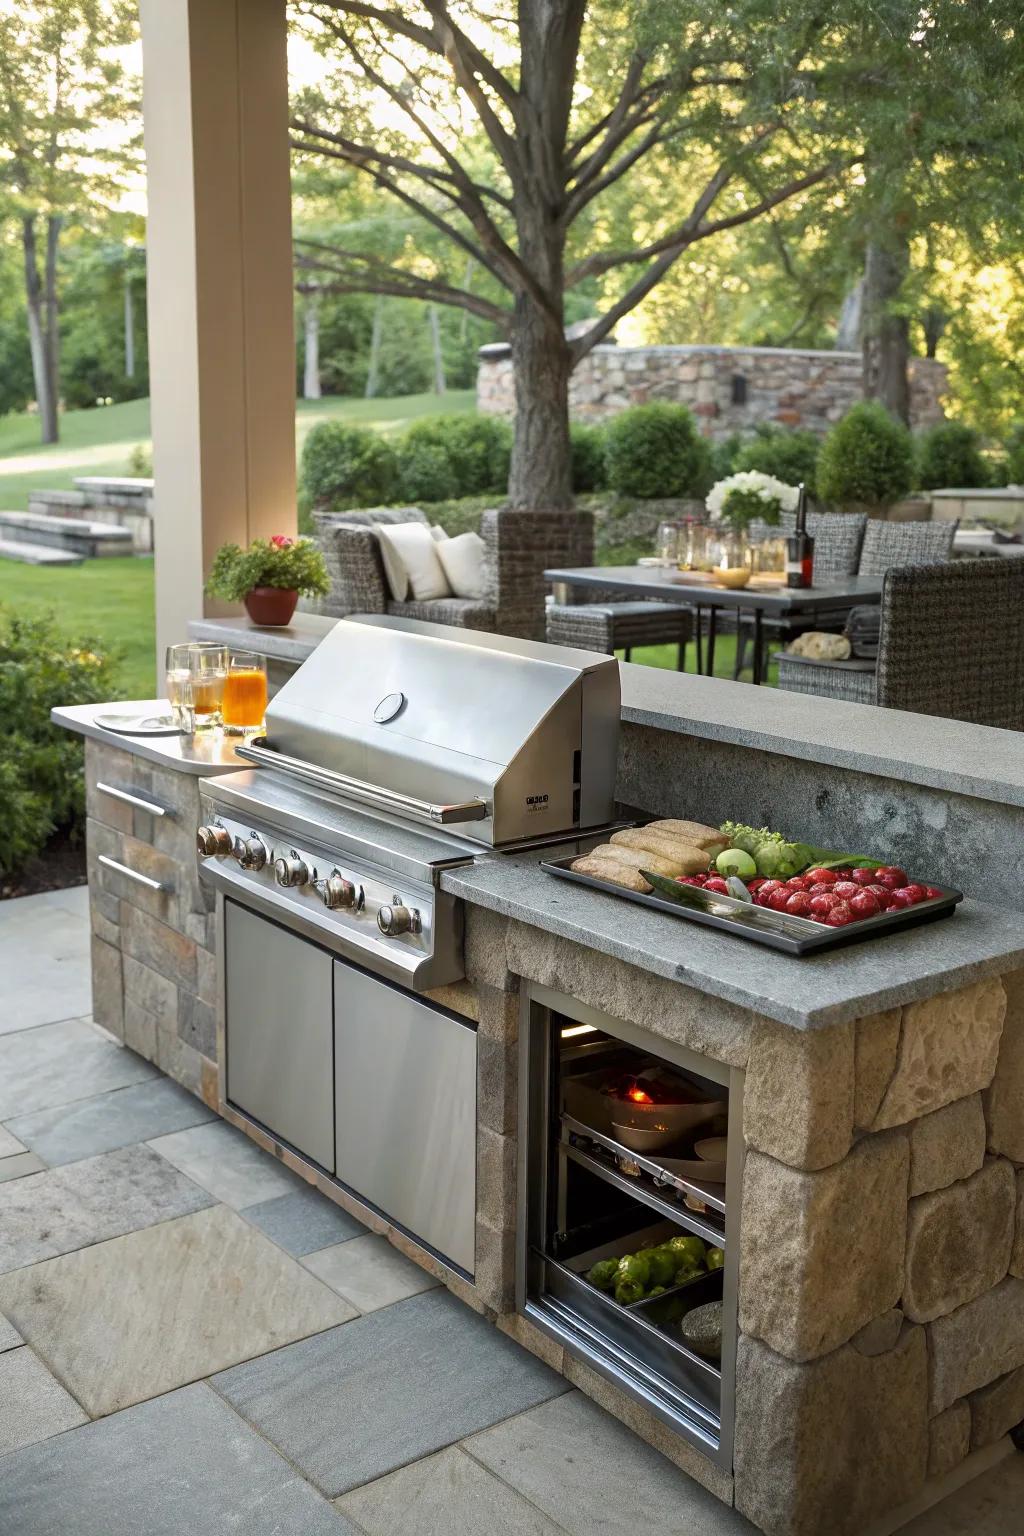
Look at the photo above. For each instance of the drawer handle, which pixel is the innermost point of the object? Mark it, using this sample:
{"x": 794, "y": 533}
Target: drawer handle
{"x": 144, "y": 805}
{"x": 122, "y": 869}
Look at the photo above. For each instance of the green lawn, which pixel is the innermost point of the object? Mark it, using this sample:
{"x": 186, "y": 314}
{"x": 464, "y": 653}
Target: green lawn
{"x": 100, "y": 441}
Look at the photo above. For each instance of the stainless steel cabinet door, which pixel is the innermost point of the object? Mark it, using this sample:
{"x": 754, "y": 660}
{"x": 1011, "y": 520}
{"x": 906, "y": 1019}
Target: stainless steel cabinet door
{"x": 405, "y": 1108}
{"x": 279, "y": 1036}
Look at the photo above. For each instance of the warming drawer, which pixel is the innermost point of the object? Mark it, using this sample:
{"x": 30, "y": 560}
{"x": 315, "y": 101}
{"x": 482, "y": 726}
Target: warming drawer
{"x": 278, "y": 1048}
{"x": 405, "y": 1105}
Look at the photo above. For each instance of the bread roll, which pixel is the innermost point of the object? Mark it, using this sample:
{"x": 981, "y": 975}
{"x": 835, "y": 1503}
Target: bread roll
{"x": 692, "y": 832}
{"x": 612, "y": 871}
{"x": 691, "y": 859}
{"x": 640, "y": 858}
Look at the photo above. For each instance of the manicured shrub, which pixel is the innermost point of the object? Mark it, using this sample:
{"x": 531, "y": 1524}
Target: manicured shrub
{"x": 654, "y": 451}
{"x": 588, "y": 457}
{"x": 425, "y": 471}
{"x": 949, "y": 455}
{"x": 789, "y": 456}
{"x": 724, "y": 455}
{"x": 42, "y": 784}
{"x": 476, "y": 449}
{"x": 867, "y": 457}
{"x": 1015, "y": 455}
{"x": 345, "y": 466}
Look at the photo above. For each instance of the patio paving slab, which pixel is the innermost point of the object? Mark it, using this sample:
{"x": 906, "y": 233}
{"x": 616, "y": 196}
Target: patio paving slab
{"x": 44, "y": 958}
{"x": 19, "y": 1165}
{"x": 32, "y": 1405}
{"x": 595, "y": 1478}
{"x": 228, "y": 1164}
{"x": 68, "y": 1208}
{"x": 444, "y": 1494}
{"x": 369, "y": 1273}
{"x": 59, "y": 1063}
{"x": 362, "y": 1400}
{"x": 184, "y": 1465}
{"x": 303, "y": 1222}
{"x": 990, "y": 1505}
{"x": 10, "y": 1338}
{"x": 9, "y": 1145}
{"x": 135, "y": 1317}
{"x": 111, "y": 1120}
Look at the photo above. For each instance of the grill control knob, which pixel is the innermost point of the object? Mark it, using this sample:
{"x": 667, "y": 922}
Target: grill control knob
{"x": 250, "y": 852}
{"x": 213, "y": 842}
{"x": 396, "y": 920}
{"x": 337, "y": 892}
{"x": 292, "y": 870}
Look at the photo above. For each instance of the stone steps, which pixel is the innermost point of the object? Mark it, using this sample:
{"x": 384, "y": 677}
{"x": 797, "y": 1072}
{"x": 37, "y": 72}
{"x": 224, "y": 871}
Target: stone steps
{"x": 73, "y": 535}
{"x": 37, "y": 554}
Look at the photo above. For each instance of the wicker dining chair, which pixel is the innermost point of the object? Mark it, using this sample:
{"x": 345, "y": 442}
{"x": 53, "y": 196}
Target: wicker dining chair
{"x": 914, "y": 543}
{"x": 951, "y": 643}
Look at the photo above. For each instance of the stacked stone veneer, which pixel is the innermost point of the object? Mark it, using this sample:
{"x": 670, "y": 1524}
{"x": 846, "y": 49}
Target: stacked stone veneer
{"x": 881, "y": 1296}
{"x": 793, "y": 388}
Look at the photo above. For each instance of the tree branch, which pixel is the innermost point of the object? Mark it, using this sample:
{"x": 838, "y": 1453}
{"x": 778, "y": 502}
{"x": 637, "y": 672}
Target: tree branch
{"x": 403, "y": 285}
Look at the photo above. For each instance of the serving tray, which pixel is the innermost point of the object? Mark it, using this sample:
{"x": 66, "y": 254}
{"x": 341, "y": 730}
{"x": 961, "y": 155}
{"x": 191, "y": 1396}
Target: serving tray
{"x": 778, "y": 930}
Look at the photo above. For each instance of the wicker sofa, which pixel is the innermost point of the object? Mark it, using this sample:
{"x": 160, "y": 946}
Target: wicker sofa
{"x": 518, "y": 547}
{"x": 951, "y": 643}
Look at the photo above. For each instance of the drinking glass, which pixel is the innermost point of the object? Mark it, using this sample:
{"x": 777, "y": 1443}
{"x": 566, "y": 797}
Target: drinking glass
{"x": 209, "y": 664}
{"x": 179, "y": 685}
{"x": 244, "y": 701}
{"x": 668, "y": 543}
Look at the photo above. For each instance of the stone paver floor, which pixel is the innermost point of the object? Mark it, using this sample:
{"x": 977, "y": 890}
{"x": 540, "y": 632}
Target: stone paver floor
{"x": 193, "y": 1341}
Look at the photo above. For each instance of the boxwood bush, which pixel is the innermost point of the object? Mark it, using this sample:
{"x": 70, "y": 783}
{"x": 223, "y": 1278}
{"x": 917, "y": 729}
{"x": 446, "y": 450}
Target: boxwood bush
{"x": 444, "y": 456}
{"x": 345, "y": 467}
{"x": 655, "y": 451}
{"x": 791, "y": 456}
{"x": 589, "y": 472}
{"x": 950, "y": 455}
{"x": 42, "y": 783}
{"x": 867, "y": 457}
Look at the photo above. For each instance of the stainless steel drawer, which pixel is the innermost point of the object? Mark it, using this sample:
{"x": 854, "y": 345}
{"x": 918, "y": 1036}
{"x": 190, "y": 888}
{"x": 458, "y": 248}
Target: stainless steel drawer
{"x": 278, "y": 1046}
{"x": 405, "y": 1108}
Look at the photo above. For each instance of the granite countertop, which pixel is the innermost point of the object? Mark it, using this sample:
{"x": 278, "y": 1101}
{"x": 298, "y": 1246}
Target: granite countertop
{"x": 202, "y": 755}
{"x": 286, "y": 642}
{"x": 808, "y": 993}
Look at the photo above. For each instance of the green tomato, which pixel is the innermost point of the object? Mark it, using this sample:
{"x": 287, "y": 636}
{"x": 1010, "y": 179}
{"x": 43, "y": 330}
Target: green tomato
{"x": 734, "y": 861}
{"x": 628, "y": 1291}
{"x": 603, "y": 1274}
{"x": 715, "y": 1258}
{"x": 635, "y": 1267}
{"x": 689, "y": 1251}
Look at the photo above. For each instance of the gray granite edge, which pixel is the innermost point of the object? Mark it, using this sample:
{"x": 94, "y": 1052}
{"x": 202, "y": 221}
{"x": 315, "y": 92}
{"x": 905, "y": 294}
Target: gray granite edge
{"x": 292, "y": 642}
{"x": 808, "y": 993}
{"x": 167, "y": 751}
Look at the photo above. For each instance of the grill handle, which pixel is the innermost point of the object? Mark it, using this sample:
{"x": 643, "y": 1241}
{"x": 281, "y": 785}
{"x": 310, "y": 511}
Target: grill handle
{"x": 366, "y": 794}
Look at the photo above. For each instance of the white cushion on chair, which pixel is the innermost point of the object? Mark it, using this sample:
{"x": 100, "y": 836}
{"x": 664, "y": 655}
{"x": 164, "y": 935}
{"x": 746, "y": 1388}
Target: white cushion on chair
{"x": 409, "y": 556}
{"x": 462, "y": 560}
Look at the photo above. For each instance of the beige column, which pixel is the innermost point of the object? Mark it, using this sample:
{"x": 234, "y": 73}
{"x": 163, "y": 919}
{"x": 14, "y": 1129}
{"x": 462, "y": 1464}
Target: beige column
{"x": 221, "y": 341}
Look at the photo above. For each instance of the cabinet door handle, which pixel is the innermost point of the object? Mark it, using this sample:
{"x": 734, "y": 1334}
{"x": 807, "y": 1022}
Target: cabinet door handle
{"x": 132, "y": 874}
{"x": 144, "y": 805}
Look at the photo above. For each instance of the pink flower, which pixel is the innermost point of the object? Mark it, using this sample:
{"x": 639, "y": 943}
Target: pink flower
{"x": 279, "y": 541}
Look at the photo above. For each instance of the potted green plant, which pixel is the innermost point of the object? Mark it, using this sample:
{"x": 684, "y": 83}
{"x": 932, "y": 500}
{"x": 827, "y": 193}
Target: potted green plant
{"x": 268, "y": 577}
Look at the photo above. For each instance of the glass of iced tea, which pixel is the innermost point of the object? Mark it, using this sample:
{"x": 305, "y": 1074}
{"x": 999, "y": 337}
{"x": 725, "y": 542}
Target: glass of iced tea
{"x": 209, "y": 663}
{"x": 244, "y": 702}
{"x": 179, "y": 685}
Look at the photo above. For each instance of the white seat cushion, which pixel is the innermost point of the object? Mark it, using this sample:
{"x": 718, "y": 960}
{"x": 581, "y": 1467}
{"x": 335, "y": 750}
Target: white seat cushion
{"x": 410, "y": 559}
{"x": 462, "y": 559}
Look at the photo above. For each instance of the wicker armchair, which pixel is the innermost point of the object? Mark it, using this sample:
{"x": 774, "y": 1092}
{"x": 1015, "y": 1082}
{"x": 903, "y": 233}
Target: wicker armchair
{"x": 889, "y": 544}
{"x": 518, "y": 547}
{"x": 951, "y": 643}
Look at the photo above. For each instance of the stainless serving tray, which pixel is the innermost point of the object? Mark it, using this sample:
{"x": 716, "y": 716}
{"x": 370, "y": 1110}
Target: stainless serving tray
{"x": 778, "y": 930}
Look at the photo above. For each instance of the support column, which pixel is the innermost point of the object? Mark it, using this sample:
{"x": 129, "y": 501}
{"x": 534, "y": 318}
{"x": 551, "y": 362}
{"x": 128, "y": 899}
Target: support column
{"x": 219, "y": 257}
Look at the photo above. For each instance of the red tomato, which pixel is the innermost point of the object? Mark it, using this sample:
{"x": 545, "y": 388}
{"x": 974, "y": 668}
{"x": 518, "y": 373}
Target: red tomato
{"x": 822, "y": 876}
{"x": 716, "y": 884}
{"x": 767, "y": 886}
{"x": 863, "y": 876}
{"x": 822, "y": 903}
{"x": 755, "y": 884}
{"x": 796, "y": 884}
{"x": 919, "y": 892}
{"x": 777, "y": 900}
{"x": 891, "y": 876}
{"x": 865, "y": 904}
{"x": 820, "y": 888}
{"x": 881, "y": 895}
{"x": 799, "y": 904}
{"x": 933, "y": 890}
{"x": 902, "y": 897}
{"x": 842, "y": 874}
{"x": 845, "y": 889}
{"x": 840, "y": 915}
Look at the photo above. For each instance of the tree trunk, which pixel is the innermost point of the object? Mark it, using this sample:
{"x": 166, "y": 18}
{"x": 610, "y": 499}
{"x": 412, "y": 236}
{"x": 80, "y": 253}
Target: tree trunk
{"x": 933, "y": 323}
{"x": 40, "y": 308}
{"x": 129, "y": 327}
{"x": 886, "y": 346}
{"x": 541, "y": 475}
{"x": 440, "y": 383}
{"x": 851, "y": 316}
{"x": 311, "y": 360}
{"x": 373, "y": 370}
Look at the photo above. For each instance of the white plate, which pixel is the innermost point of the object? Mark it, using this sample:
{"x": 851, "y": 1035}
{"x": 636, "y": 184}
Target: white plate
{"x": 139, "y": 725}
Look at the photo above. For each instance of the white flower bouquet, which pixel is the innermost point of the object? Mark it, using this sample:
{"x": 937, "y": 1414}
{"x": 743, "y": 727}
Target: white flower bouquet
{"x": 741, "y": 498}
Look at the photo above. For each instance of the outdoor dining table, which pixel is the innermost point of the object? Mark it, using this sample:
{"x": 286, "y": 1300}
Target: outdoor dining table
{"x": 764, "y": 595}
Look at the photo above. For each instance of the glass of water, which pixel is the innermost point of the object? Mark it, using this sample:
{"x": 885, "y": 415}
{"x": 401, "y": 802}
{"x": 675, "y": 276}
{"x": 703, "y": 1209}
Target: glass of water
{"x": 209, "y": 669}
{"x": 179, "y": 686}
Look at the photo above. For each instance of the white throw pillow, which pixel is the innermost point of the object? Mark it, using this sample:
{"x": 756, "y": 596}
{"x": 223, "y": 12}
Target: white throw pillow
{"x": 463, "y": 561}
{"x": 410, "y": 560}
{"x": 437, "y": 532}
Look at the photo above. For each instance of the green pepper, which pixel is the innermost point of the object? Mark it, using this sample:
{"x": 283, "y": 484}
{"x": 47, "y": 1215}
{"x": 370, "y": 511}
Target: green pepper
{"x": 628, "y": 1291}
{"x": 635, "y": 1267}
{"x": 603, "y": 1274}
{"x": 688, "y": 1251}
{"x": 663, "y": 1264}
{"x": 715, "y": 1258}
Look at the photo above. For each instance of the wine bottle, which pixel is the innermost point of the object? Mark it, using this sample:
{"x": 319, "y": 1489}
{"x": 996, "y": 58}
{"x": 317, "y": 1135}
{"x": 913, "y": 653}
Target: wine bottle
{"x": 800, "y": 547}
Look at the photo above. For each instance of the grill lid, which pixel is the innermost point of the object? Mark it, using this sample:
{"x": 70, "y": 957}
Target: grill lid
{"x": 521, "y": 737}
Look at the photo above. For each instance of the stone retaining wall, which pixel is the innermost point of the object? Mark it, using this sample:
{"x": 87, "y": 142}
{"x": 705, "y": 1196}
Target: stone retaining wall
{"x": 882, "y": 1257}
{"x": 790, "y": 387}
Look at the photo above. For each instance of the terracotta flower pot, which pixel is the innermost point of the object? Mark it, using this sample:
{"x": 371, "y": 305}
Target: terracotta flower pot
{"x": 271, "y": 606}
